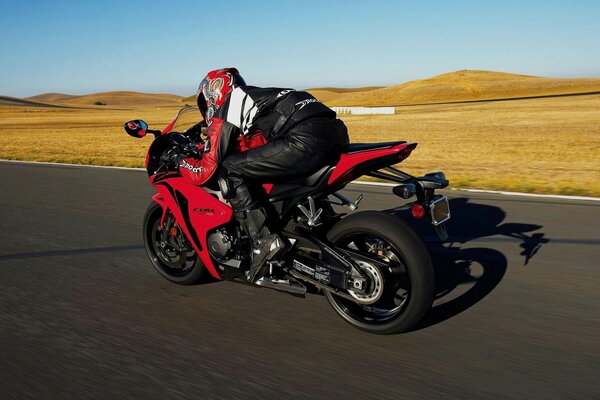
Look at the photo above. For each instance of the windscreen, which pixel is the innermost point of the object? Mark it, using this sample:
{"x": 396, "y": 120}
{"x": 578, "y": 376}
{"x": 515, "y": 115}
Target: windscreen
{"x": 185, "y": 118}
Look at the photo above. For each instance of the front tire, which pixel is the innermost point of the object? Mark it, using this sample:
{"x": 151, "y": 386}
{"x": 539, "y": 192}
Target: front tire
{"x": 408, "y": 278}
{"x": 181, "y": 267}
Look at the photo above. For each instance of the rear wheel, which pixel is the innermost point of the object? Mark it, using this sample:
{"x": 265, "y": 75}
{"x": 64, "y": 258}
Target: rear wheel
{"x": 403, "y": 280}
{"x": 173, "y": 258}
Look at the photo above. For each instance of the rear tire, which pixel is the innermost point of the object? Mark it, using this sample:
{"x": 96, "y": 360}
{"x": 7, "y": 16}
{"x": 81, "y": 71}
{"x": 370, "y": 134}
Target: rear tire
{"x": 409, "y": 269}
{"x": 183, "y": 268}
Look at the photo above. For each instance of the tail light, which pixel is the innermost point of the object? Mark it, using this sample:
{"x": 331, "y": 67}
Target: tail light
{"x": 405, "y": 152}
{"x": 417, "y": 211}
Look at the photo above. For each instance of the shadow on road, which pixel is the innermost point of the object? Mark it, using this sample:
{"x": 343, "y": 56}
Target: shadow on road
{"x": 472, "y": 221}
{"x": 464, "y": 276}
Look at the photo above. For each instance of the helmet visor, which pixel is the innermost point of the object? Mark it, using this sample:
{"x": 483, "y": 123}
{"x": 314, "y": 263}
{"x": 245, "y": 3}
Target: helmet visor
{"x": 201, "y": 100}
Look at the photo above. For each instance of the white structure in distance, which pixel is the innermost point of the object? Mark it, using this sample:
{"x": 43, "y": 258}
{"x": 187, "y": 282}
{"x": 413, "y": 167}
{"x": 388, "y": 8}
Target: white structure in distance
{"x": 364, "y": 110}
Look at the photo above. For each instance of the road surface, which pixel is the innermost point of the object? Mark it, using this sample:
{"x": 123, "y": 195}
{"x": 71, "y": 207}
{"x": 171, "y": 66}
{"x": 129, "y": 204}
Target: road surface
{"x": 84, "y": 315}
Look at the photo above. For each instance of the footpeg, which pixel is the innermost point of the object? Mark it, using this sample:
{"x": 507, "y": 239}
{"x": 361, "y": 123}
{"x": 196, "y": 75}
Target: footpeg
{"x": 312, "y": 213}
{"x": 273, "y": 264}
{"x": 285, "y": 285}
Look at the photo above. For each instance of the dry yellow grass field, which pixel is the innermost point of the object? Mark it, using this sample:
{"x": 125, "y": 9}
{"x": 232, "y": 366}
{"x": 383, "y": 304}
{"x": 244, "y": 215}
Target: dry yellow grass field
{"x": 81, "y": 136}
{"x": 543, "y": 145}
{"x": 547, "y": 145}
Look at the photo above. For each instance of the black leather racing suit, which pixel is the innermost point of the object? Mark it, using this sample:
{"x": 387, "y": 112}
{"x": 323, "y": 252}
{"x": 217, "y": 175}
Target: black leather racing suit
{"x": 302, "y": 136}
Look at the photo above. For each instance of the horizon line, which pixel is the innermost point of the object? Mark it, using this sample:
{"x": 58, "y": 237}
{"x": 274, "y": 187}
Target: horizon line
{"x": 321, "y": 87}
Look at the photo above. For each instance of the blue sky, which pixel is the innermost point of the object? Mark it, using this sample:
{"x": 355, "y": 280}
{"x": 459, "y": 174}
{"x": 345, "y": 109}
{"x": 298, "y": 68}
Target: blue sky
{"x": 158, "y": 46}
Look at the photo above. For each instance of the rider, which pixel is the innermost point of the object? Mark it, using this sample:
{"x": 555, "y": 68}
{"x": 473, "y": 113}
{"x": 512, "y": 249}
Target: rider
{"x": 260, "y": 135}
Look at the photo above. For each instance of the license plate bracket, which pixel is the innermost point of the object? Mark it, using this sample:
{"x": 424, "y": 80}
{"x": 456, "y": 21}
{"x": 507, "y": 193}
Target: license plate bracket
{"x": 439, "y": 209}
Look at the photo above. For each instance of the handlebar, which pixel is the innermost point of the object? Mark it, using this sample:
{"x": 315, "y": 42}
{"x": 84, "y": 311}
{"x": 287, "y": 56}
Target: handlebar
{"x": 182, "y": 147}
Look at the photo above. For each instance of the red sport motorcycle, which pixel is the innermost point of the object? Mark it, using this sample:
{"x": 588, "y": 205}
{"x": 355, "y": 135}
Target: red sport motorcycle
{"x": 372, "y": 267}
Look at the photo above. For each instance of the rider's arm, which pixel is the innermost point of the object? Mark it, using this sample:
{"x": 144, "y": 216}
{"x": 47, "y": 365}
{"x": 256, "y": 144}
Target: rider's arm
{"x": 220, "y": 136}
{"x": 195, "y": 132}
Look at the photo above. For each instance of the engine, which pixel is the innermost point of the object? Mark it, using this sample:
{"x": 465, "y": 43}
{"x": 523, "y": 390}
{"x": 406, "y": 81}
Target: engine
{"x": 220, "y": 244}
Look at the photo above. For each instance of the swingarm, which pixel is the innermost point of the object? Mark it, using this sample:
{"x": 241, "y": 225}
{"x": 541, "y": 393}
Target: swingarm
{"x": 334, "y": 271}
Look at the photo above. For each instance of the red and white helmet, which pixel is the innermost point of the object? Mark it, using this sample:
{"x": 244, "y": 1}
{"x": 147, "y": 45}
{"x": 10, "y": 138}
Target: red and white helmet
{"x": 214, "y": 89}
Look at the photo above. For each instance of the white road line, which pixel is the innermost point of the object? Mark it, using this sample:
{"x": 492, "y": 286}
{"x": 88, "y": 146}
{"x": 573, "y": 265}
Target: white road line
{"x": 548, "y": 196}
{"x": 366, "y": 183}
{"x": 71, "y": 165}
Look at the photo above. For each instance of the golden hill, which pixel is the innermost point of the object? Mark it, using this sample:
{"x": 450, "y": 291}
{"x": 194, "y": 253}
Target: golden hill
{"x": 14, "y": 101}
{"x": 329, "y": 93}
{"x": 50, "y": 97}
{"x": 323, "y": 94}
{"x": 119, "y": 98}
{"x": 191, "y": 100}
{"x": 464, "y": 85}
{"x": 467, "y": 85}
{"x": 346, "y": 90}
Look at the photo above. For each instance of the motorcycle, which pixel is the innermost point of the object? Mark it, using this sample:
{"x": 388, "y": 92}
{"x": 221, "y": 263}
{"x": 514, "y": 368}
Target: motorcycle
{"x": 371, "y": 266}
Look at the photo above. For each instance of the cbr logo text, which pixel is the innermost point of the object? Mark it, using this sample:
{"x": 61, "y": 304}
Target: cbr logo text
{"x": 204, "y": 210}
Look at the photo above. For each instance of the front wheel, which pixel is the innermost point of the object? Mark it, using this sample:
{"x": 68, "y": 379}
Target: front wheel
{"x": 404, "y": 280}
{"x": 173, "y": 258}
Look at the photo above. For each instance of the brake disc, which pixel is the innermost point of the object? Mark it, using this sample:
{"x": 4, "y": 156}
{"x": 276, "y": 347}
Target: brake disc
{"x": 377, "y": 281}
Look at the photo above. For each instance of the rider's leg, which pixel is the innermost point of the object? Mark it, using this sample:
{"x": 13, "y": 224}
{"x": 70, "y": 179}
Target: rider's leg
{"x": 266, "y": 245}
{"x": 300, "y": 151}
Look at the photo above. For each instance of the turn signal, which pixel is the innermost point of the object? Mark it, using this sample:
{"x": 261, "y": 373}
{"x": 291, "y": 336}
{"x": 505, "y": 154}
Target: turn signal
{"x": 417, "y": 211}
{"x": 405, "y": 191}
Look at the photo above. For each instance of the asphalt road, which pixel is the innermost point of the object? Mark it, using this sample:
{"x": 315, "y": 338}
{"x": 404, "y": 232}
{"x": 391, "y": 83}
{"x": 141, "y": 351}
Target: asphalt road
{"x": 83, "y": 314}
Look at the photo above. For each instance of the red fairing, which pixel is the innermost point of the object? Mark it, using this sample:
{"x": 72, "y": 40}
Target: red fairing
{"x": 196, "y": 212}
{"x": 157, "y": 198}
{"x": 343, "y": 172}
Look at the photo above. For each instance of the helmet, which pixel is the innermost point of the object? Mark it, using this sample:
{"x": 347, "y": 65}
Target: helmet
{"x": 214, "y": 88}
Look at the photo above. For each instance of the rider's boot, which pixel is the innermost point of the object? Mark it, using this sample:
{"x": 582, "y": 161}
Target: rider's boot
{"x": 266, "y": 246}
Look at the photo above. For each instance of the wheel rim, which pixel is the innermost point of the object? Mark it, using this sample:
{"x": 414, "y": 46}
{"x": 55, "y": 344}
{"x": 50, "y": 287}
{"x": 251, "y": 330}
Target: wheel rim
{"x": 169, "y": 259}
{"x": 396, "y": 280}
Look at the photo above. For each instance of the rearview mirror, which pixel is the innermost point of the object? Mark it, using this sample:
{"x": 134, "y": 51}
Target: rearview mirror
{"x": 136, "y": 128}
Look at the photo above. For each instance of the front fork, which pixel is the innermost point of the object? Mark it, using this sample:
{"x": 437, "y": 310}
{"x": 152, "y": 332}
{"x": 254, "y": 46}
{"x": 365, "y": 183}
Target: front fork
{"x": 166, "y": 225}
{"x": 166, "y": 222}
{"x": 170, "y": 229}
